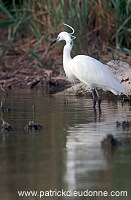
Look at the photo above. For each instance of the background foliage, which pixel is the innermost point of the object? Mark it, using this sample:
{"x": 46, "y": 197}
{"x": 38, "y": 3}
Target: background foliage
{"x": 100, "y": 25}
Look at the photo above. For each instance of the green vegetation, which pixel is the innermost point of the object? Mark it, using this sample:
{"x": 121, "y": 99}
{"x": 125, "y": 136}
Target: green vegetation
{"x": 100, "y": 25}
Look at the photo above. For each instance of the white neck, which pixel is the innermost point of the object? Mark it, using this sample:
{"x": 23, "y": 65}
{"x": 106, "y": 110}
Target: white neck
{"x": 66, "y": 52}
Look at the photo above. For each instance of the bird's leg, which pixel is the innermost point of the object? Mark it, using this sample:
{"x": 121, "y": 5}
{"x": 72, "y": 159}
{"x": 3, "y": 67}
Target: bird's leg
{"x": 99, "y": 98}
{"x": 94, "y": 97}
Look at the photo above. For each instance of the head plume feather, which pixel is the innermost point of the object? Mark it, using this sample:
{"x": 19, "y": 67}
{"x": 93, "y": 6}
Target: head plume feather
{"x": 70, "y": 28}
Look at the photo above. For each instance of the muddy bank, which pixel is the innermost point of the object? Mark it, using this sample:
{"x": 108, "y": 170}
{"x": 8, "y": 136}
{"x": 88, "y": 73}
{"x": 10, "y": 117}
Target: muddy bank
{"x": 26, "y": 75}
{"x": 31, "y": 78}
{"x": 22, "y": 72}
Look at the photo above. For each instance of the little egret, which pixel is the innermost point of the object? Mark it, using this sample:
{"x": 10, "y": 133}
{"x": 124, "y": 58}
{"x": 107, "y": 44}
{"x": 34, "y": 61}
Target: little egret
{"x": 87, "y": 69}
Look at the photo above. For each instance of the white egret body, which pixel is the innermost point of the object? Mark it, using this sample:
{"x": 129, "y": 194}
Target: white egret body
{"x": 87, "y": 69}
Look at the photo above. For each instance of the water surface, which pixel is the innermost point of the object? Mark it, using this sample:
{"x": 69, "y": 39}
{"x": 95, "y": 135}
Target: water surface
{"x": 67, "y": 153}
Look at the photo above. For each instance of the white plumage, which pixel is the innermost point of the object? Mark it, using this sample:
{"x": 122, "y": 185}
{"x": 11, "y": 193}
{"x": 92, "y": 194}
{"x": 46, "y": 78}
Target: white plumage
{"x": 93, "y": 73}
{"x": 87, "y": 69}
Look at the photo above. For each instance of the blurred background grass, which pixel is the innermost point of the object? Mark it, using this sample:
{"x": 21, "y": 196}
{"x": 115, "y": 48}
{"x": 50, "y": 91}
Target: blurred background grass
{"x": 101, "y": 27}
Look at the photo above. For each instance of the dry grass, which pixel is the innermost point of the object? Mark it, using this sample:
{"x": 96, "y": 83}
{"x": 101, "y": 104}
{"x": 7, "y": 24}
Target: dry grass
{"x": 101, "y": 27}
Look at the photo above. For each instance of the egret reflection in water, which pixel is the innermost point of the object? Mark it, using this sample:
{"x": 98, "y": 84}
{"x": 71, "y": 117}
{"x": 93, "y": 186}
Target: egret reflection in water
{"x": 85, "y": 157}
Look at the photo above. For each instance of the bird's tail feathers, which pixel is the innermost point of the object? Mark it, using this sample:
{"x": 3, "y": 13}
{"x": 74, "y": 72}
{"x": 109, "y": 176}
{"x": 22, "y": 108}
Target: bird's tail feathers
{"x": 119, "y": 90}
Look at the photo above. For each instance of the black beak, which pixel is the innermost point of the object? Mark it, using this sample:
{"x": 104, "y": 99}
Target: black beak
{"x": 53, "y": 42}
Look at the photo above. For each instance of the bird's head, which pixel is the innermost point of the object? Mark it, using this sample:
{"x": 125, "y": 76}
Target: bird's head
{"x": 68, "y": 37}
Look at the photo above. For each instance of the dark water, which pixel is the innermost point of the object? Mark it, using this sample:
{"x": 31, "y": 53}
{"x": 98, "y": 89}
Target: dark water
{"x": 67, "y": 153}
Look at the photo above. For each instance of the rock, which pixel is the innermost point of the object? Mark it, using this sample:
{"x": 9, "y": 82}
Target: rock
{"x": 126, "y": 98}
{"x": 110, "y": 141}
{"x": 124, "y": 124}
{"x": 76, "y": 89}
{"x": 59, "y": 83}
{"x": 33, "y": 127}
{"x": 3, "y": 109}
{"x": 122, "y": 71}
{"x": 6, "y": 127}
